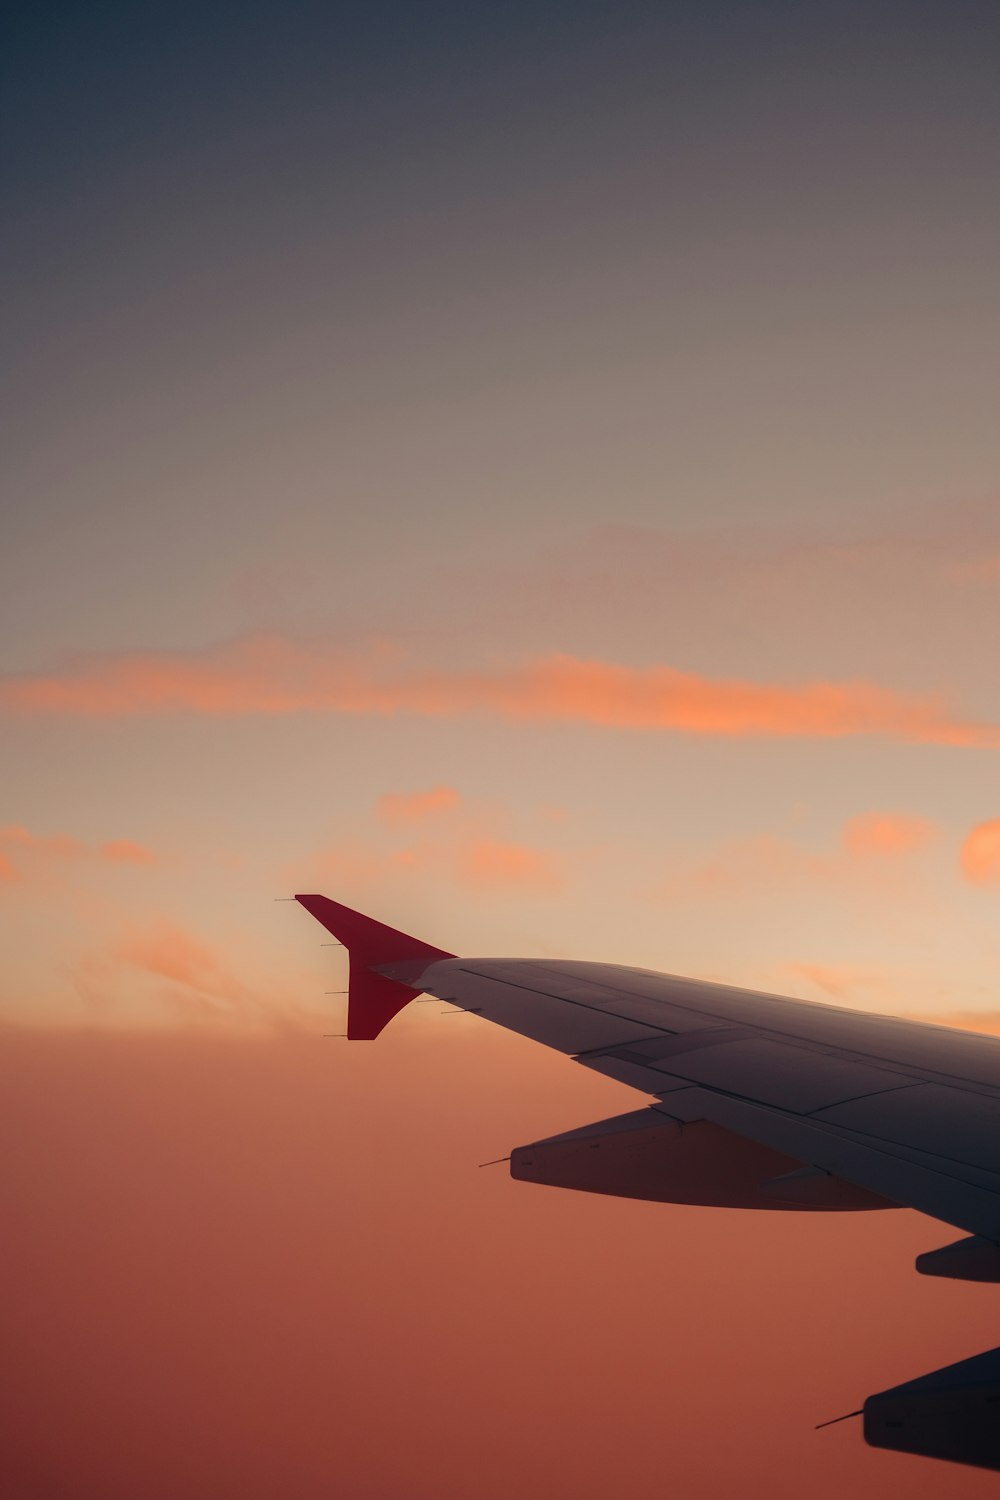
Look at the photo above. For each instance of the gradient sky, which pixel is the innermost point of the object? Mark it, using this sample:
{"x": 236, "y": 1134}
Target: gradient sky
{"x": 530, "y": 472}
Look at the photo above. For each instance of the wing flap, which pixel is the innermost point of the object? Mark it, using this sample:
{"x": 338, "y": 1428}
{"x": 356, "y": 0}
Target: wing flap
{"x": 773, "y": 1072}
{"x": 891, "y": 1172}
{"x": 952, "y": 1123}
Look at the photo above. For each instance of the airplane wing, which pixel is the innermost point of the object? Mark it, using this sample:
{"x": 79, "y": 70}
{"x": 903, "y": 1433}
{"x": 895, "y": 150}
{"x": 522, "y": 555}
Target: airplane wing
{"x": 753, "y": 1101}
{"x": 756, "y": 1100}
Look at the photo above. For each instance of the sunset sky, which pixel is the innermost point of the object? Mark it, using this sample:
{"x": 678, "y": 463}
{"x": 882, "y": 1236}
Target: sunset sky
{"x": 530, "y": 472}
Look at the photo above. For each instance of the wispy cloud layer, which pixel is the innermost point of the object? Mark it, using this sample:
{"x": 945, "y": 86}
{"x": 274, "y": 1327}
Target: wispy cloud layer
{"x": 873, "y": 850}
{"x": 28, "y": 846}
{"x": 494, "y": 863}
{"x": 466, "y": 844}
{"x": 275, "y": 675}
{"x": 886, "y": 833}
{"x": 403, "y": 809}
{"x": 161, "y": 973}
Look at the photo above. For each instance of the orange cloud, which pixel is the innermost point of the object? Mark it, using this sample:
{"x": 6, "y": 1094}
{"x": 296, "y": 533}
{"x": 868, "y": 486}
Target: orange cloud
{"x": 398, "y": 809}
{"x": 769, "y": 862}
{"x": 198, "y": 988}
{"x": 7, "y": 871}
{"x": 747, "y": 866}
{"x": 349, "y": 865}
{"x": 63, "y": 846}
{"x": 273, "y": 675}
{"x": 170, "y": 953}
{"x": 886, "y": 833}
{"x": 984, "y": 568}
{"x": 980, "y": 856}
{"x": 490, "y": 863}
{"x": 480, "y": 863}
{"x": 463, "y": 855}
{"x": 437, "y": 833}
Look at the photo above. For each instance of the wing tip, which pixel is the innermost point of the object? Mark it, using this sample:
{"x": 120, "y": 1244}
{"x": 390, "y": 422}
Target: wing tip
{"x": 372, "y": 999}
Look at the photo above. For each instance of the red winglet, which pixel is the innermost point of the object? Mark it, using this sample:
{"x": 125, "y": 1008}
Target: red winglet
{"x": 373, "y": 999}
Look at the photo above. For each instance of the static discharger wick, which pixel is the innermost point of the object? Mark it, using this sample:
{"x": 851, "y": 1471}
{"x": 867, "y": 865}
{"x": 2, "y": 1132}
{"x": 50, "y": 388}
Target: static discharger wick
{"x": 495, "y": 1162}
{"x": 845, "y": 1418}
